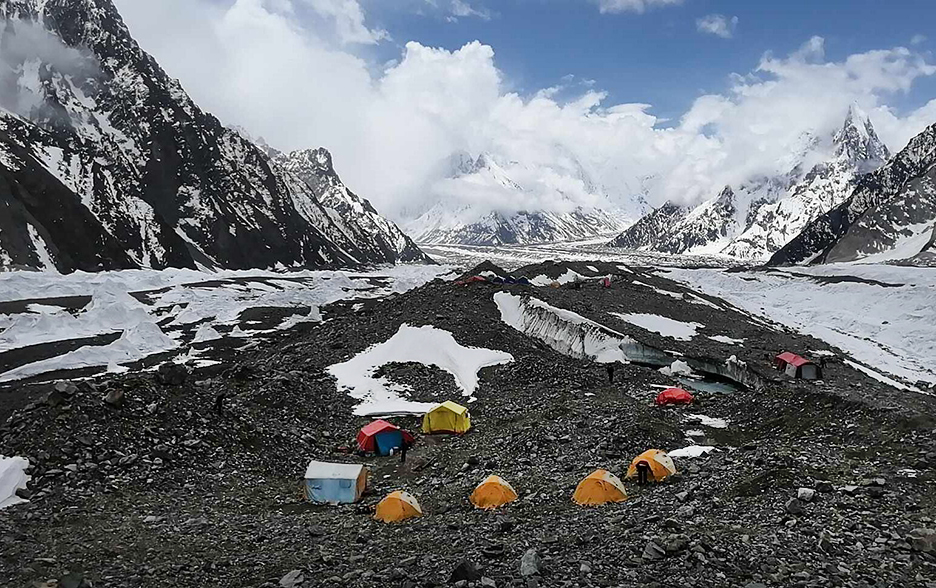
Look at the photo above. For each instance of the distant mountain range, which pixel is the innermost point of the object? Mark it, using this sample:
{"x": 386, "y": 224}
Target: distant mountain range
{"x": 451, "y": 220}
{"x": 757, "y": 218}
{"x": 106, "y": 163}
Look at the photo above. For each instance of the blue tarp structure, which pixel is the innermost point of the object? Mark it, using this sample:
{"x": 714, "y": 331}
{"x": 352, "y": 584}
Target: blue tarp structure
{"x": 388, "y": 440}
{"x": 335, "y": 483}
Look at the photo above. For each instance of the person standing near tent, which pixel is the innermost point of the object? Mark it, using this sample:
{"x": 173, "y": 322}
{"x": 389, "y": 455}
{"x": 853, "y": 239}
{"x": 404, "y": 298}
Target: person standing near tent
{"x": 403, "y": 449}
{"x": 643, "y": 473}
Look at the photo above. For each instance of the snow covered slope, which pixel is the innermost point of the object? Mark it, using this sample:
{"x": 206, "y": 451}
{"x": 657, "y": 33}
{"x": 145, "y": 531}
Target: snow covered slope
{"x": 760, "y": 216}
{"x": 858, "y": 151}
{"x": 106, "y": 163}
{"x": 481, "y": 204}
{"x": 890, "y": 215}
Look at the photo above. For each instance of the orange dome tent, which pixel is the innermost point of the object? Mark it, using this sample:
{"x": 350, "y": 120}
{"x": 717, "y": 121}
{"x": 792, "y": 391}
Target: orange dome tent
{"x": 494, "y": 491}
{"x": 600, "y": 487}
{"x": 397, "y": 506}
{"x": 661, "y": 465}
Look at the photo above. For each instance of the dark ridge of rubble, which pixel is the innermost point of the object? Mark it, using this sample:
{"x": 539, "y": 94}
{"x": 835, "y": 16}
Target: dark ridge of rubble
{"x": 160, "y": 489}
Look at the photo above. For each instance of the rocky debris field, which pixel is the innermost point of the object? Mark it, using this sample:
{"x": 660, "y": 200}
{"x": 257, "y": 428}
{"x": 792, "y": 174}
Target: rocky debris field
{"x": 193, "y": 478}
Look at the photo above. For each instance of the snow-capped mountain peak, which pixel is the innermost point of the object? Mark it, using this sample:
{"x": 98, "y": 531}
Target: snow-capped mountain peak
{"x": 857, "y": 143}
{"x": 764, "y": 213}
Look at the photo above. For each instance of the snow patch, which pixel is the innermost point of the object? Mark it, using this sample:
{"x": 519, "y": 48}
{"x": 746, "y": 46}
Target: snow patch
{"x": 708, "y": 421}
{"x": 726, "y": 340}
{"x": 691, "y": 451}
{"x": 660, "y": 324}
{"x": 12, "y": 478}
{"x": 426, "y": 345}
{"x": 677, "y": 368}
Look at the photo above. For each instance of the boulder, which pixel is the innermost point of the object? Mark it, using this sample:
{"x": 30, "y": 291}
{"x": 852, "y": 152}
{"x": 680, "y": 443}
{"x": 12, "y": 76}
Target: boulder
{"x": 292, "y": 579}
{"x": 172, "y": 374}
{"x": 465, "y": 571}
{"x": 794, "y": 506}
{"x": 114, "y": 397}
{"x": 531, "y": 564}
{"x": 653, "y": 552}
{"x": 922, "y": 540}
{"x": 805, "y": 494}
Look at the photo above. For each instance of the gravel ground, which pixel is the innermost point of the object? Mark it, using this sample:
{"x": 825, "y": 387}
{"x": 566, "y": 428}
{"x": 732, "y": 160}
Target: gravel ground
{"x": 159, "y": 489}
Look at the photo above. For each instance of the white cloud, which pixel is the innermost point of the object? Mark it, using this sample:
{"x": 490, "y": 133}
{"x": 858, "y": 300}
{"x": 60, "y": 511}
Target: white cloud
{"x": 348, "y": 17}
{"x": 638, "y": 6}
{"x": 462, "y": 9}
{"x": 917, "y": 39}
{"x": 389, "y": 127}
{"x": 718, "y": 25}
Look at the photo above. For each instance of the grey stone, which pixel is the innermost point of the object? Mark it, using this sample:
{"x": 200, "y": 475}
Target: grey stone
{"x": 172, "y": 374}
{"x": 794, "y": 506}
{"x": 805, "y": 494}
{"x": 531, "y": 564}
{"x": 465, "y": 570}
{"x": 653, "y": 552}
{"x": 292, "y": 579}
{"x": 114, "y": 397}
{"x": 923, "y": 540}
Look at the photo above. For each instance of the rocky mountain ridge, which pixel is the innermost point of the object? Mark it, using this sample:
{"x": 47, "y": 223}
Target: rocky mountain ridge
{"x": 151, "y": 179}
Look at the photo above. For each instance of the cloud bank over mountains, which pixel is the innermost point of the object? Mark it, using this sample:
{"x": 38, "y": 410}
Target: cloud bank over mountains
{"x": 302, "y": 82}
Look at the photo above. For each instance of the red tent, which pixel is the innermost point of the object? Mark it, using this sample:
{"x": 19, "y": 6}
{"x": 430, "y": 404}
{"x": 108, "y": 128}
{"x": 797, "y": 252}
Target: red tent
{"x": 367, "y": 437}
{"x": 674, "y": 396}
{"x": 797, "y": 366}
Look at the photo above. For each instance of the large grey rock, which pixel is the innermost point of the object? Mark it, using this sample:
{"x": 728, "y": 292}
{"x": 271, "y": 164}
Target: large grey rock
{"x": 794, "y": 506}
{"x": 292, "y": 579}
{"x": 805, "y": 494}
{"x": 531, "y": 564}
{"x": 172, "y": 374}
{"x": 465, "y": 570}
{"x": 923, "y": 540}
{"x": 653, "y": 552}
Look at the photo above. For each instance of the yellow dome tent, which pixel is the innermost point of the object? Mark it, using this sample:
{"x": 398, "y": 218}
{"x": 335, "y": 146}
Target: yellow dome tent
{"x": 448, "y": 417}
{"x": 397, "y": 506}
{"x": 600, "y": 487}
{"x": 494, "y": 491}
{"x": 661, "y": 465}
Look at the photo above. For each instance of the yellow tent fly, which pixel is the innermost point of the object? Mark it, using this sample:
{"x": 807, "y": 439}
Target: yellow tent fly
{"x": 600, "y": 487}
{"x": 494, "y": 491}
{"x": 448, "y": 417}
{"x": 661, "y": 465}
{"x": 397, "y": 506}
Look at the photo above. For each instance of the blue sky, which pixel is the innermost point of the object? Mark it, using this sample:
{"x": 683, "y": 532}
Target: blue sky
{"x": 656, "y": 57}
{"x": 394, "y": 87}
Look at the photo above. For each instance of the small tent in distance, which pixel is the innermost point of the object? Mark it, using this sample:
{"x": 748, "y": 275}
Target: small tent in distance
{"x": 661, "y": 465}
{"x": 797, "y": 366}
{"x": 600, "y": 487}
{"x": 397, "y": 506}
{"x": 447, "y": 417}
{"x": 673, "y": 396}
{"x": 382, "y": 437}
{"x": 493, "y": 492}
{"x": 335, "y": 483}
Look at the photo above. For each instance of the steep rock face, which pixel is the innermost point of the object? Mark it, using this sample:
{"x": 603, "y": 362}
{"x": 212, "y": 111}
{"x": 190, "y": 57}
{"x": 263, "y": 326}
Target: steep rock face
{"x": 646, "y": 232}
{"x": 161, "y": 177}
{"x": 889, "y": 211}
{"x": 857, "y": 151}
{"x": 448, "y": 221}
{"x": 357, "y": 219}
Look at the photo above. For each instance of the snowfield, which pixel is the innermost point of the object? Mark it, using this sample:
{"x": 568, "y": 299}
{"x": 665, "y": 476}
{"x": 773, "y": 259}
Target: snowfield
{"x": 426, "y": 345}
{"x": 157, "y": 311}
{"x": 881, "y": 315}
{"x": 667, "y": 327}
